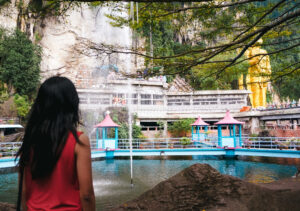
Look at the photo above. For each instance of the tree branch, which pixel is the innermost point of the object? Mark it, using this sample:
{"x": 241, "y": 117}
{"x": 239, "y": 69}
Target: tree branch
{"x": 288, "y": 73}
{"x": 265, "y": 54}
{"x": 205, "y": 6}
{"x": 261, "y": 31}
{"x": 145, "y": 1}
{"x": 260, "y": 19}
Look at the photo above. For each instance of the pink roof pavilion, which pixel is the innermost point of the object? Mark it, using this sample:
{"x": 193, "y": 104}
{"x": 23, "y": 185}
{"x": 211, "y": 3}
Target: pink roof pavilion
{"x": 228, "y": 120}
{"x": 107, "y": 122}
{"x": 199, "y": 122}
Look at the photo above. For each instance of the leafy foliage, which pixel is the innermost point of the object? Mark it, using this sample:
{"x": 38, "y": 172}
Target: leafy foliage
{"x": 286, "y": 66}
{"x": 19, "y": 62}
{"x": 185, "y": 141}
{"x": 123, "y": 132}
{"x": 209, "y": 78}
{"x": 19, "y": 72}
{"x": 50, "y": 8}
{"x": 120, "y": 116}
{"x": 205, "y": 41}
{"x": 3, "y": 2}
{"x": 181, "y": 127}
{"x": 289, "y": 86}
{"x": 4, "y": 95}
{"x": 23, "y": 105}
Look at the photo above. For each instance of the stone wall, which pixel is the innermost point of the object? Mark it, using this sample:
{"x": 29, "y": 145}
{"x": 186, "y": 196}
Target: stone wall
{"x": 285, "y": 133}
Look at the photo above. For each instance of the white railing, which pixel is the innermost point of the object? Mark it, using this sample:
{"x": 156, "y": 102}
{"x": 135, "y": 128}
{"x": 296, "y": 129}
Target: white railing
{"x": 167, "y": 143}
{"x": 210, "y": 142}
{"x": 9, "y": 120}
{"x": 9, "y": 149}
{"x": 271, "y": 142}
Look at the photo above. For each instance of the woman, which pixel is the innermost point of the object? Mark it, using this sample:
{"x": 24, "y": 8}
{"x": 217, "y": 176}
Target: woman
{"x": 55, "y": 159}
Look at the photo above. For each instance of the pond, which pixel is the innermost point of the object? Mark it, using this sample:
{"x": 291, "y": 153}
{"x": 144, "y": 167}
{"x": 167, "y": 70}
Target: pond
{"x": 112, "y": 177}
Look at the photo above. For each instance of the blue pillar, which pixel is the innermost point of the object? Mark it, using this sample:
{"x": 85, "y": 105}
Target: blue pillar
{"x": 193, "y": 136}
{"x": 192, "y": 132}
{"x": 103, "y": 138}
{"x": 116, "y": 137}
{"x": 205, "y": 130}
{"x": 234, "y": 136}
{"x": 219, "y": 135}
{"x": 97, "y": 138}
{"x": 198, "y": 133}
{"x": 240, "y": 134}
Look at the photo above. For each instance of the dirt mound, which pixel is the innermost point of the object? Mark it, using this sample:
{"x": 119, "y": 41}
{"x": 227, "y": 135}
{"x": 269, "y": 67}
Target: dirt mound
{"x": 201, "y": 187}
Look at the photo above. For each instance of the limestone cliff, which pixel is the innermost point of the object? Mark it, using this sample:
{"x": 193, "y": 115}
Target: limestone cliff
{"x": 65, "y": 41}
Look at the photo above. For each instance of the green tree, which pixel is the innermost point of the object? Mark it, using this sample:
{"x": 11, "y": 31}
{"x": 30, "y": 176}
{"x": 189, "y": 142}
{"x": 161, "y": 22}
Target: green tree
{"x": 208, "y": 77}
{"x": 120, "y": 116}
{"x": 23, "y": 105}
{"x": 3, "y": 2}
{"x": 123, "y": 131}
{"x": 205, "y": 41}
{"x": 289, "y": 86}
{"x": 186, "y": 37}
{"x": 181, "y": 127}
{"x": 286, "y": 67}
{"x": 19, "y": 63}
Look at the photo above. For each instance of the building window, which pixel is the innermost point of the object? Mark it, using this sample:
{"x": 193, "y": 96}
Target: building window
{"x": 158, "y": 100}
{"x": 83, "y": 100}
{"x": 119, "y": 99}
{"x": 204, "y": 100}
{"x": 146, "y": 99}
{"x": 178, "y": 101}
{"x": 134, "y": 99}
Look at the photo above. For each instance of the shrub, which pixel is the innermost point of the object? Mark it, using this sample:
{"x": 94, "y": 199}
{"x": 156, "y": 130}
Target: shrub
{"x": 23, "y": 105}
{"x": 185, "y": 141}
{"x": 182, "y": 126}
{"x": 19, "y": 62}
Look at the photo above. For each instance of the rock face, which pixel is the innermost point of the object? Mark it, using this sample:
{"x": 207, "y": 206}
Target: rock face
{"x": 67, "y": 41}
{"x": 200, "y": 187}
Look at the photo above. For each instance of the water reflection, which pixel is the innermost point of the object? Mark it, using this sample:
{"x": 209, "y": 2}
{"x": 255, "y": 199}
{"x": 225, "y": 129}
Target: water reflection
{"x": 112, "y": 177}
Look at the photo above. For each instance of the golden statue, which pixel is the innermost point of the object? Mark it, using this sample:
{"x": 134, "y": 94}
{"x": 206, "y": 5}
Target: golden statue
{"x": 258, "y": 75}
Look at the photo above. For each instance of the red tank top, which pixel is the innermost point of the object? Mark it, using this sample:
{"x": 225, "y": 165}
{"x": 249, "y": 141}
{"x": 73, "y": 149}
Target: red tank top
{"x": 60, "y": 191}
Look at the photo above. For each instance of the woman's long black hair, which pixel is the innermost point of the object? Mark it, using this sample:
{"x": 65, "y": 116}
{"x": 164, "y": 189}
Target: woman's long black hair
{"x": 53, "y": 115}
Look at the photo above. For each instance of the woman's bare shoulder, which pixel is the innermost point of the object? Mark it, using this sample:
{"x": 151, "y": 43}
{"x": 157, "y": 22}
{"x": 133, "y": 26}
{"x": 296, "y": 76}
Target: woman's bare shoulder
{"x": 84, "y": 139}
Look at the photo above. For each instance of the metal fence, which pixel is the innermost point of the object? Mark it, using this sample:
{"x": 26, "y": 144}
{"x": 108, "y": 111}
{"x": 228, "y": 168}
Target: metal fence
{"x": 167, "y": 143}
{"x": 9, "y": 149}
{"x": 210, "y": 142}
{"x": 9, "y": 120}
{"x": 271, "y": 142}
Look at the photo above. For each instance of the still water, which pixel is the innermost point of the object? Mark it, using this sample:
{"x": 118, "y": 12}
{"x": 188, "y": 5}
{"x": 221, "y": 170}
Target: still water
{"x": 112, "y": 177}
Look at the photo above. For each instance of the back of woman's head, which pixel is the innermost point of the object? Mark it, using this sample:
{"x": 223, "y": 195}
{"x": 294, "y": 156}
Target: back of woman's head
{"x": 53, "y": 115}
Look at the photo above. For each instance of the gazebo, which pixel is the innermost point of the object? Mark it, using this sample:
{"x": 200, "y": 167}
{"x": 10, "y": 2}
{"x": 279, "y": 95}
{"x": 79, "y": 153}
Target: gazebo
{"x": 232, "y": 138}
{"x": 196, "y": 134}
{"x": 106, "y": 142}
